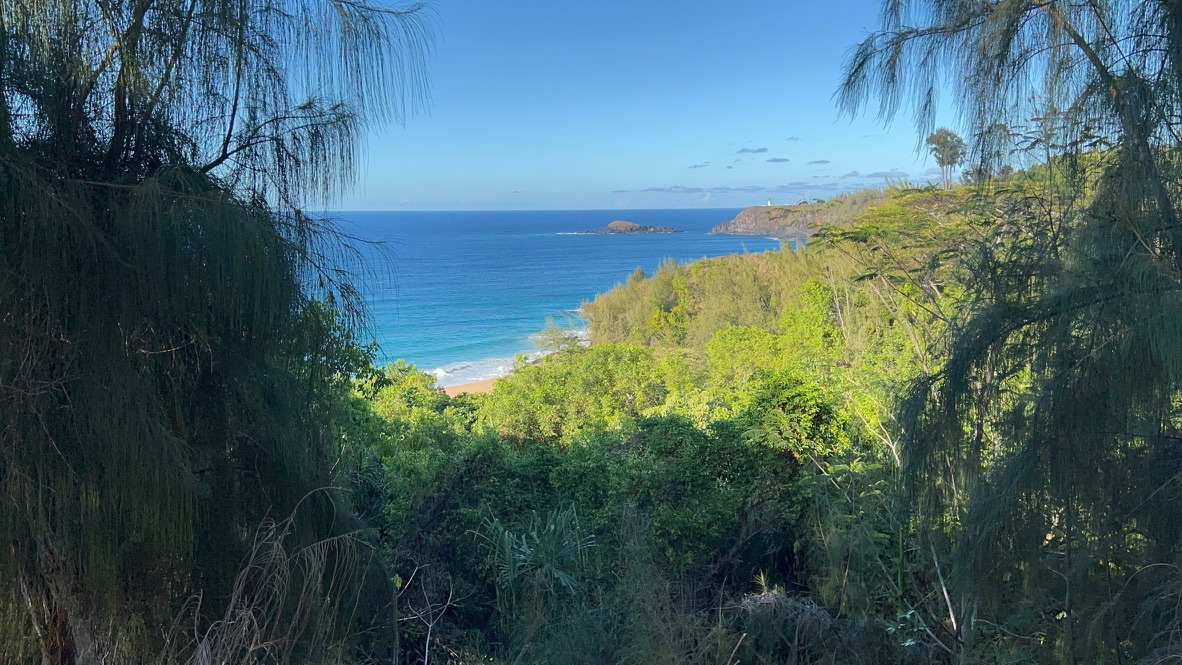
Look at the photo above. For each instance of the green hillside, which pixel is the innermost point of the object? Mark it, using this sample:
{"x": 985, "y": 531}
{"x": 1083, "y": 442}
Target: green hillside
{"x": 946, "y": 431}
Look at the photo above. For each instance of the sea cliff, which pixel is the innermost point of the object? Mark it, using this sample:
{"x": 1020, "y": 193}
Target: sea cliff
{"x": 799, "y": 222}
{"x": 784, "y": 222}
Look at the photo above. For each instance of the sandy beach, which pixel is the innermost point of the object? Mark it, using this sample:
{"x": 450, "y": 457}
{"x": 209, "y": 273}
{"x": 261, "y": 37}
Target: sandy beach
{"x": 477, "y": 387}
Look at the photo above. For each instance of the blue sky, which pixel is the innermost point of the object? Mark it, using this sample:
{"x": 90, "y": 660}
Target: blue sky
{"x": 549, "y": 104}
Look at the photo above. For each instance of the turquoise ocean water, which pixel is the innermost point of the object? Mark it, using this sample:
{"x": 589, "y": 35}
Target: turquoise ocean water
{"x": 460, "y": 294}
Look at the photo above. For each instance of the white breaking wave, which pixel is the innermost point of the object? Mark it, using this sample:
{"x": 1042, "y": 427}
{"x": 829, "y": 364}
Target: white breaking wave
{"x": 460, "y": 373}
{"x": 471, "y": 371}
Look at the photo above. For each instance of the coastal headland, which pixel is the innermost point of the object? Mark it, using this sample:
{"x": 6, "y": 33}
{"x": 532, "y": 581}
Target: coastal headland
{"x": 783, "y": 222}
{"x": 796, "y": 223}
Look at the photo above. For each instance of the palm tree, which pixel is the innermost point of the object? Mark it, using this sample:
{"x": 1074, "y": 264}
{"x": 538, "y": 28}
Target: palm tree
{"x": 1047, "y": 443}
{"x": 162, "y": 348}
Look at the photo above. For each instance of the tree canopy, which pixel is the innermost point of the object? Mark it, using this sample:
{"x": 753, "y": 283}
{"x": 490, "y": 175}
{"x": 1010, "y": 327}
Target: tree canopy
{"x": 1049, "y": 436}
{"x": 171, "y": 321}
{"x": 949, "y": 150}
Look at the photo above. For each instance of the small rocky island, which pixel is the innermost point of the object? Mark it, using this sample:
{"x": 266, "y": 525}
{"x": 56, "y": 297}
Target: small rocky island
{"x": 620, "y": 226}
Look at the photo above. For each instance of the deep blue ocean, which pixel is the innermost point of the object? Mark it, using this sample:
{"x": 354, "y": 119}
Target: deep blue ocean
{"x": 460, "y": 294}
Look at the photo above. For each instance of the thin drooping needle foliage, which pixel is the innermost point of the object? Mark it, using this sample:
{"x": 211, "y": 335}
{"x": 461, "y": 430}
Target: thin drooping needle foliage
{"x": 171, "y": 321}
{"x": 1048, "y": 444}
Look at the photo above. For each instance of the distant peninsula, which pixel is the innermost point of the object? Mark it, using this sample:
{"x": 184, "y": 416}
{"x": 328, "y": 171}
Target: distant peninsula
{"x": 797, "y": 223}
{"x": 620, "y": 226}
{"x": 783, "y": 222}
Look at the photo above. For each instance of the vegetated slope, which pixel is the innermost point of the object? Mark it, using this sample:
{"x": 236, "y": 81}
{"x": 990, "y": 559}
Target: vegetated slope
{"x": 725, "y": 443}
{"x": 687, "y": 305}
{"x": 720, "y": 477}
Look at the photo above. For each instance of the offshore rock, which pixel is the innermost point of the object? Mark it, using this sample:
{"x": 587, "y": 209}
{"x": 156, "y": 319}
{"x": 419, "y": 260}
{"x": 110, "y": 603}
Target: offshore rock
{"x": 620, "y": 226}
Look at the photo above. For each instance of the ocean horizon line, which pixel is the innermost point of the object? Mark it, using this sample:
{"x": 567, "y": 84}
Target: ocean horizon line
{"x": 409, "y": 210}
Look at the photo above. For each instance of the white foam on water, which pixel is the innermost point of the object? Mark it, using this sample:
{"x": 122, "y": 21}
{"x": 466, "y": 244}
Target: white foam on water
{"x": 456, "y": 374}
{"x": 472, "y": 371}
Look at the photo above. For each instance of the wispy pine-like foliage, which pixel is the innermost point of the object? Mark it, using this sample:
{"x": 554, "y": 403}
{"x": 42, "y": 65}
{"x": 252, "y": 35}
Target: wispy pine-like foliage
{"x": 1048, "y": 443}
{"x": 162, "y": 349}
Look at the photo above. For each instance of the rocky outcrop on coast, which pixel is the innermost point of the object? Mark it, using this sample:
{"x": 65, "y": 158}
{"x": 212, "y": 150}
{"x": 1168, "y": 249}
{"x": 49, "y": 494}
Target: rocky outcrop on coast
{"x": 620, "y": 226}
{"x": 783, "y": 222}
{"x": 796, "y": 223}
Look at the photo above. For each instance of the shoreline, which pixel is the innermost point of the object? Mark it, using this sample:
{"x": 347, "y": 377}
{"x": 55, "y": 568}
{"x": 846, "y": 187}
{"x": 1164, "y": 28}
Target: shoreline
{"x": 485, "y": 385}
{"x": 475, "y": 387}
